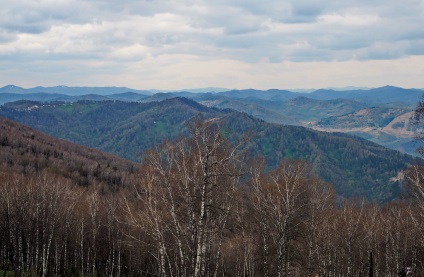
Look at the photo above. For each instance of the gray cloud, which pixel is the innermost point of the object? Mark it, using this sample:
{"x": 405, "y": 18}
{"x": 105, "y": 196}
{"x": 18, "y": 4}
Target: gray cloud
{"x": 248, "y": 31}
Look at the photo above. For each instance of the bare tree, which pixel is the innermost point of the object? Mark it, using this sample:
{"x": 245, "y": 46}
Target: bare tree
{"x": 187, "y": 192}
{"x": 281, "y": 200}
{"x": 415, "y": 183}
{"x": 33, "y": 209}
{"x": 321, "y": 202}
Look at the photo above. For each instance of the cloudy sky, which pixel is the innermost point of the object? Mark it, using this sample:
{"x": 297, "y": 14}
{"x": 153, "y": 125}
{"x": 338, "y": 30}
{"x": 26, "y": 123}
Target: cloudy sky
{"x": 176, "y": 44}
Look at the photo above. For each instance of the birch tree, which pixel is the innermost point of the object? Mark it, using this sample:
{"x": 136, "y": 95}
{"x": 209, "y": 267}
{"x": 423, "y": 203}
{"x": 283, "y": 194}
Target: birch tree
{"x": 187, "y": 191}
{"x": 415, "y": 183}
{"x": 281, "y": 200}
{"x": 321, "y": 202}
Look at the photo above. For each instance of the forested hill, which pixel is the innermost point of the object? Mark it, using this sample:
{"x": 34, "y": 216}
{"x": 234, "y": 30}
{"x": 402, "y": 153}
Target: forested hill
{"x": 26, "y": 151}
{"x": 355, "y": 166}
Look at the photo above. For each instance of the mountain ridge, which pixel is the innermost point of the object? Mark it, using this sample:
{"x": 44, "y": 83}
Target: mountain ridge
{"x": 274, "y": 105}
{"x": 71, "y": 91}
{"x": 127, "y": 129}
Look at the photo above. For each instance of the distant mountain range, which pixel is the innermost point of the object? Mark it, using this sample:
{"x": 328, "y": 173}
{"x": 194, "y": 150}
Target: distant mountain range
{"x": 71, "y": 91}
{"x": 386, "y": 94}
{"x": 324, "y": 109}
{"x": 56, "y": 97}
{"x": 77, "y": 91}
{"x": 355, "y": 166}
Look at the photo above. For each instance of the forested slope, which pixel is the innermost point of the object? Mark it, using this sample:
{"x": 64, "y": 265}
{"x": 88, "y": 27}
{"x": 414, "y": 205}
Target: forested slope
{"x": 26, "y": 151}
{"x": 354, "y": 166}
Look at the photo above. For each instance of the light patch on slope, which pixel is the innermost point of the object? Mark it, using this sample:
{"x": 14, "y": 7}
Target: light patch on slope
{"x": 400, "y": 132}
{"x": 342, "y": 130}
{"x": 362, "y": 112}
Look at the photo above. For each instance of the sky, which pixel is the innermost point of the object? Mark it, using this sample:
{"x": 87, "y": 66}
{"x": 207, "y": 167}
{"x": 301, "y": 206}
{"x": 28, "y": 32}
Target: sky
{"x": 170, "y": 44}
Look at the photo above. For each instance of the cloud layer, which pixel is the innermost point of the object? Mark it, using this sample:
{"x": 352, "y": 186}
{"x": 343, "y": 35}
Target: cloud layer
{"x": 194, "y": 43}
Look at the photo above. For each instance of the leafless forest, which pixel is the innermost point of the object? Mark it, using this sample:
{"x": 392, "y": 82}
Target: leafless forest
{"x": 199, "y": 207}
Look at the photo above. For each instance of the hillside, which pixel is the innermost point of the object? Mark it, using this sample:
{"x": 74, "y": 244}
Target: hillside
{"x": 368, "y": 117}
{"x": 355, "y": 166}
{"x": 304, "y": 109}
{"x": 27, "y": 151}
{"x": 254, "y": 108}
{"x": 388, "y": 126}
{"x": 334, "y": 115}
{"x": 122, "y": 128}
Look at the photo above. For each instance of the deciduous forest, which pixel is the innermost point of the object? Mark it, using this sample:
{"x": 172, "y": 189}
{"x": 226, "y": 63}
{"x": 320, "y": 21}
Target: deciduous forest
{"x": 197, "y": 206}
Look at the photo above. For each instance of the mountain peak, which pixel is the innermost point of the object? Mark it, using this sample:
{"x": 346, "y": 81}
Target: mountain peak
{"x": 182, "y": 101}
{"x": 11, "y": 88}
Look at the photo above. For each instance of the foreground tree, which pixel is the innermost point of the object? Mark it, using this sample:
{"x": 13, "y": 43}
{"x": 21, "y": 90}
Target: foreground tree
{"x": 282, "y": 202}
{"x": 415, "y": 184}
{"x": 32, "y": 210}
{"x": 191, "y": 212}
{"x": 321, "y": 203}
{"x": 185, "y": 200}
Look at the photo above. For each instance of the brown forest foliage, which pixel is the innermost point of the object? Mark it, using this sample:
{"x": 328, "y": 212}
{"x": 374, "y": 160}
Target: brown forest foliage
{"x": 27, "y": 151}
